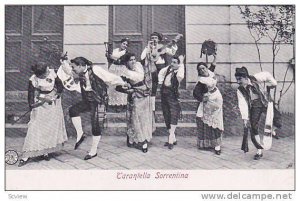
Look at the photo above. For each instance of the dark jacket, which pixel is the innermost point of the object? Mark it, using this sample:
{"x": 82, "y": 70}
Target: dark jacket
{"x": 256, "y": 90}
{"x": 99, "y": 93}
{"x": 174, "y": 82}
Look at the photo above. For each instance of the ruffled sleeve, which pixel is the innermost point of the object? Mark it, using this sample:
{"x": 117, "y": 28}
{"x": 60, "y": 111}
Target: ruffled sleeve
{"x": 107, "y": 77}
{"x": 116, "y": 54}
{"x": 210, "y": 82}
{"x": 136, "y": 75}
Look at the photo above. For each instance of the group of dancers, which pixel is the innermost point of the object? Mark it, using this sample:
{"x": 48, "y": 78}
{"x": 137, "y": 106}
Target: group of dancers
{"x": 133, "y": 85}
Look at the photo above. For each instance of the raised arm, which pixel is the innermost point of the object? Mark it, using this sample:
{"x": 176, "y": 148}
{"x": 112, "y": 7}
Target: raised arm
{"x": 172, "y": 50}
{"x": 107, "y": 77}
{"x": 266, "y": 77}
{"x": 213, "y": 64}
{"x": 136, "y": 75}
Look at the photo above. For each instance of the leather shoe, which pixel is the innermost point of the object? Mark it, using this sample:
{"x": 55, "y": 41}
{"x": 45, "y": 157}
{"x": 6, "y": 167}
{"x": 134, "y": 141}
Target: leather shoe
{"x": 88, "y": 157}
{"x": 218, "y": 152}
{"x": 170, "y": 146}
{"x": 22, "y": 162}
{"x": 145, "y": 150}
{"x": 275, "y": 136}
{"x": 167, "y": 143}
{"x": 257, "y": 156}
{"x": 46, "y": 157}
{"x": 130, "y": 145}
{"x": 80, "y": 141}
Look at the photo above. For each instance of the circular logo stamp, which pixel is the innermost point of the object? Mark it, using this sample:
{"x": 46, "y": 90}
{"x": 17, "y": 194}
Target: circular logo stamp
{"x": 11, "y": 157}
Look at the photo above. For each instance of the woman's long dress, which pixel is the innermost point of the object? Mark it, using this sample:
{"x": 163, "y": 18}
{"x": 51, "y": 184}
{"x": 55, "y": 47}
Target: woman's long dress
{"x": 46, "y": 128}
{"x": 209, "y": 116}
{"x": 140, "y": 115}
{"x": 116, "y": 98}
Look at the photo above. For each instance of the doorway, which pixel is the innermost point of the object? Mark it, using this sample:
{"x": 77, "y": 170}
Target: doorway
{"x": 31, "y": 33}
{"x": 138, "y": 22}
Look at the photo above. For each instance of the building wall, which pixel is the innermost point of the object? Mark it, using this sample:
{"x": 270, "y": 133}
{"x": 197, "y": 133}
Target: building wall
{"x": 236, "y": 48}
{"x": 85, "y": 31}
{"x": 86, "y": 28}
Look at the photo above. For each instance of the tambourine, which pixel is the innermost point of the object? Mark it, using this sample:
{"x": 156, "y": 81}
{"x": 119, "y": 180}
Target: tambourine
{"x": 209, "y": 47}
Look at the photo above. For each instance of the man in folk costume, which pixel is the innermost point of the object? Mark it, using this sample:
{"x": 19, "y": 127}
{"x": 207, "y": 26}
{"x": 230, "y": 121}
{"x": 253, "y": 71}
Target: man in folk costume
{"x": 93, "y": 83}
{"x": 253, "y": 101}
{"x": 169, "y": 78}
{"x": 155, "y": 60}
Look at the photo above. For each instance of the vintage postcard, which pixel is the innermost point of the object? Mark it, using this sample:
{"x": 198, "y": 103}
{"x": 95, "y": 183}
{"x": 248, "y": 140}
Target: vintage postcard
{"x": 149, "y": 97}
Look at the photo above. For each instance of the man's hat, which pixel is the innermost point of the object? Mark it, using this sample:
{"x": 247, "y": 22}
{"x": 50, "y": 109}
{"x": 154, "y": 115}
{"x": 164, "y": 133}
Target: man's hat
{"x": 159, "y": 35}
{"x": 241, "y": 72}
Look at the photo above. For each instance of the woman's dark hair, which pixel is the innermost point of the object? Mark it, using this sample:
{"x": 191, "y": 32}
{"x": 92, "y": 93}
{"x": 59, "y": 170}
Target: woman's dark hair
{"x": 39, "y": 68}
{"x": 125, "y": 39}
{"x": 201, "y": 64}
{"x": 126, "y": 57}
{"x": 81, "y": 61}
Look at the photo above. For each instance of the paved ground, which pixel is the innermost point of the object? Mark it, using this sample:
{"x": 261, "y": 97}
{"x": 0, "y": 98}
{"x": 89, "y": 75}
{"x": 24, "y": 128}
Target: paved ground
{"x": 114, "y": 154}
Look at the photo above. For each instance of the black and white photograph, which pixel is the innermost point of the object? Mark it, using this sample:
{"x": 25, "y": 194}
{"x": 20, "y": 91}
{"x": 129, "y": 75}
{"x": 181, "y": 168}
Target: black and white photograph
{"x": 149, "y": 97}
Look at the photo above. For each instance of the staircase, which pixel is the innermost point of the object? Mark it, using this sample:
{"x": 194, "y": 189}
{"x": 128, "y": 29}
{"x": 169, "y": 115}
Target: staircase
{"x": 16, "y": 105}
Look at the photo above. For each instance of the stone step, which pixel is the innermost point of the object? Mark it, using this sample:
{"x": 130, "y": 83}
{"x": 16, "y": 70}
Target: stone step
{"x": 183, "y": 94}
{"x": 233, "y": 124}
{"x": 21, "y": 107}
{"x": 16, "y": 95}
{"x": 16, "y": 107}
{"x": 234, "y": 128}
{"x": 186, "y": 117}
{"x": 22, "y": 95}
{"x": 115, "y": 129}
{"x": 185, "y": 104}
{"x": 16, "y": 104}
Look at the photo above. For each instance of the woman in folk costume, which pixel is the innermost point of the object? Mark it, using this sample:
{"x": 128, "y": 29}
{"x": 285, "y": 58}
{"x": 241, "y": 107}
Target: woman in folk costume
{"x": 253, "y": 102}
{"x": 93, "y": 81}
{"x": 116, "y": 66}
{"x": 46, "y": 129}
{"x": 139, "y": 123}
{"x": 210, "y": 112}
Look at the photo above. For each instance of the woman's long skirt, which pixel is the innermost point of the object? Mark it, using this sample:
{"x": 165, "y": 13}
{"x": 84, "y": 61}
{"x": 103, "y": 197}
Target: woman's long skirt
{"x": 140, "y": 116}
{"x": 208, "y": 137}
{"x": 46, "y": 130}
{"x": 116, "y": 98}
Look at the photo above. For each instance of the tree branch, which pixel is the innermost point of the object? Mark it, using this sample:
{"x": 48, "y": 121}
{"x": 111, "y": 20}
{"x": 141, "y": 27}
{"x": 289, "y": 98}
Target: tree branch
{"x": 277, "y": 46}
{"x": 288, "y": 86}
{"x": 257, "y": 48}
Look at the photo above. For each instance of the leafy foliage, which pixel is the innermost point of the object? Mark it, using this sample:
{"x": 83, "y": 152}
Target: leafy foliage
{"x": 275, "y": 22}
